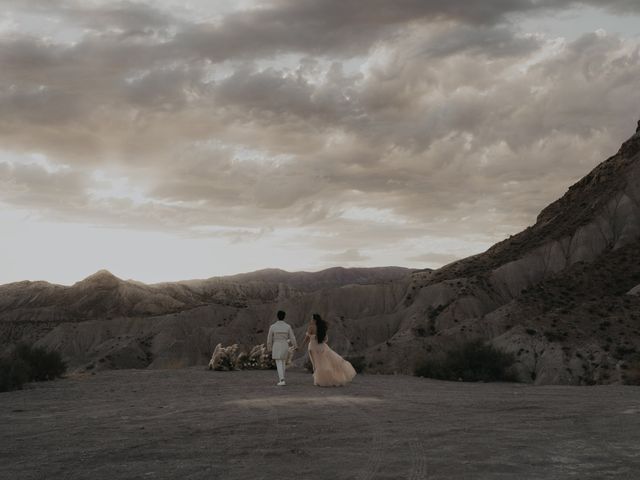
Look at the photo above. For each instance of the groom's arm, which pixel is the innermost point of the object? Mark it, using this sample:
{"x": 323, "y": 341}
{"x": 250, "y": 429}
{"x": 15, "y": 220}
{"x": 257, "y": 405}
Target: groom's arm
{"x": 270, "y": 339}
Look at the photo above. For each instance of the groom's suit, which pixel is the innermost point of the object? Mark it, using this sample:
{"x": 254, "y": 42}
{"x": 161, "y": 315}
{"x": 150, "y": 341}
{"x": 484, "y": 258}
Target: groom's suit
{"x": 280, "y": 334}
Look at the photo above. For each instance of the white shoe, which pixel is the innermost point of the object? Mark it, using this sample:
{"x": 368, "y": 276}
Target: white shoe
{"x": 281, "y": 383}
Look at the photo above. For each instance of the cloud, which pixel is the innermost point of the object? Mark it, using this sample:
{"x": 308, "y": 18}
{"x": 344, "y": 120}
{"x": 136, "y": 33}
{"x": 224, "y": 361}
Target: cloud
{"x": 348, "y": 256}
{"x": 278, "y": 119}
{"x": 434, "y": 258}
{"x": 33, "y": 186}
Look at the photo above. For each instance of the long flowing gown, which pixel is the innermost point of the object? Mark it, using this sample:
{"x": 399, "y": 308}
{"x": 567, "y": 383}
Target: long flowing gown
{"x": 329, "y": 368}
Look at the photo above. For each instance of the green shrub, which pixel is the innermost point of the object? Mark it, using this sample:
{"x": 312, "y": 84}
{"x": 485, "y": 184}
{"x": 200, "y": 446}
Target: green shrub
{"x": 553, "y": 336}
{"x": 622, "y": 351}
{"x": 29, "y": 364}
{"x": 631, "y": 375}
{"x": 14, "y": 373}
{"x": 43, "y": 364}
{"x": 470, "y": 362}
{"x": 358, "y": 362}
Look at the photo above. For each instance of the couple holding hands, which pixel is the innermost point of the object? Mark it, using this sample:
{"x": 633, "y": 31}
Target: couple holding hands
{"x": 329, "y": 368}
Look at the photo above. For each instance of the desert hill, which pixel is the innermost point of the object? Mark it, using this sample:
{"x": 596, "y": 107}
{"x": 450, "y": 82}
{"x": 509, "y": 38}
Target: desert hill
{"x": 542, "y": 293}
{"x": 329, "y": 278}
{"x": 598, "y": 212}
{"x": 562, "y": 295}
{"x": 104, "y": 321}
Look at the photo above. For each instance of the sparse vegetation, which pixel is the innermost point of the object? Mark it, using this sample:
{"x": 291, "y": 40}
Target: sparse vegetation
{"x": 632, "y": 372}
{"x": 358, "y": 362}
{"x": 29, "y": 364}
{"x": 420, "y": 332}
{"x": 14, "y": 374}
{"x": 622, "y": 351}
{"x": 470, "y": 362}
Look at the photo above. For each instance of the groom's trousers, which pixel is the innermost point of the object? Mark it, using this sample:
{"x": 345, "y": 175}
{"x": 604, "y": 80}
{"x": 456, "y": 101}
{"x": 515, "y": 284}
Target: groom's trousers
{"x": 281, "y": 367}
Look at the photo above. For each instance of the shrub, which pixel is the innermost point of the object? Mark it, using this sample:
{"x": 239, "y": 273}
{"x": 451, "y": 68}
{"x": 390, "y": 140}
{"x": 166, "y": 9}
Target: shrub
{"x": 14, "y": 373}
{"x": 622, "y": 351}
{"x": 43, "y": 364}
{"x": 28, "y": 364}
{"x": 420, "y": 332}
{"x": 632, "y": 374}
{"x": 470, "y": 362}
{"x": 358, "y": 363}
{"x": 553, "y": 336}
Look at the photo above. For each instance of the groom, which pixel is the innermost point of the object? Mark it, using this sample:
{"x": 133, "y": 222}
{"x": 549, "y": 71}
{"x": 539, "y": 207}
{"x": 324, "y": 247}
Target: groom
{"x": 280, "y": 334}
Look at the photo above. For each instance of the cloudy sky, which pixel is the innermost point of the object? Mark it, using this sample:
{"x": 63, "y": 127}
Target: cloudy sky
{"x": 167, "y": 139}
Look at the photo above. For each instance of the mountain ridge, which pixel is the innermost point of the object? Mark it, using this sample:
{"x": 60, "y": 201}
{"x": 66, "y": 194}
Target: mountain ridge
{"x": 554, "y": 221}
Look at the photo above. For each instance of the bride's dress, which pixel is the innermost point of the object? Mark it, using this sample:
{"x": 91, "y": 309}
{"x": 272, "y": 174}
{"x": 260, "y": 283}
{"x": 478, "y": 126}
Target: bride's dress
{"x": 329, "y": 368}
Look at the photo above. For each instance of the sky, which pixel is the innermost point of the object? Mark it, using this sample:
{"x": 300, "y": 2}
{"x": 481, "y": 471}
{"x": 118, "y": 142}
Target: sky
{"x": 173, "y": 140}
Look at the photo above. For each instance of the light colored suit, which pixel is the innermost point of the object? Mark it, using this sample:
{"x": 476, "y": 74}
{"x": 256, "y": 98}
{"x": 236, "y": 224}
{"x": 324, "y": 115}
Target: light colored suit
{"x": 280, "y": 334}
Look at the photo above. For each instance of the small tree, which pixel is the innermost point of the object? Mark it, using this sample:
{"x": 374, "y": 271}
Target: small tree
{"x": 14, "y": 373}
{"x": 28, "y": 364}
{"x": 632, "y": 374}
{"x": 43, "y": 364}
{"x": 472, "y": 361}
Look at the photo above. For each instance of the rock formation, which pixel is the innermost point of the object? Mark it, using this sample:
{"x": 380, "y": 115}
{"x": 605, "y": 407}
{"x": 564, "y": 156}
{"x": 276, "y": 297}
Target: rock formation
{"x": 555, "y": 294}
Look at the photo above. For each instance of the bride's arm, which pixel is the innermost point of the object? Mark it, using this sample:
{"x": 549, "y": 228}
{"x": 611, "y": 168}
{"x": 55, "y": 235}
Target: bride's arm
{"x": 306, "y": 339}
{"x": 306, "y": 336}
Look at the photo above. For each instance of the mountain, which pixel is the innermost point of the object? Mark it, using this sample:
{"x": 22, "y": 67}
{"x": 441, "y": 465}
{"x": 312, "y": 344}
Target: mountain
{"x": 555, "y": 294}
{"x": 563, "y": 296}
{"x": 106, "y": 322}
{"x": 329, "y": 278}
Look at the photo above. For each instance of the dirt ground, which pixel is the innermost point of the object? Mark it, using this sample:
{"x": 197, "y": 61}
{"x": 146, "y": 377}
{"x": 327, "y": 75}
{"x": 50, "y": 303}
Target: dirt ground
{"x": 196, "y": 424}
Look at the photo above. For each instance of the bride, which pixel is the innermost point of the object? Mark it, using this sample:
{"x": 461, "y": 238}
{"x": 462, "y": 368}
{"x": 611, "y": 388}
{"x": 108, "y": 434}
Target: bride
{"x": 329, "y": 368}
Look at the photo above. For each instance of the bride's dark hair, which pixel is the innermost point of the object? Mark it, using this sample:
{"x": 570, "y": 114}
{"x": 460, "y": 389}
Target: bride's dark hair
{"x": 321, "y": 328}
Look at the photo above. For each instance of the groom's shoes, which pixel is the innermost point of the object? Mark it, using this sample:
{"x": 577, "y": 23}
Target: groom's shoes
{"x": 281, "y": 383}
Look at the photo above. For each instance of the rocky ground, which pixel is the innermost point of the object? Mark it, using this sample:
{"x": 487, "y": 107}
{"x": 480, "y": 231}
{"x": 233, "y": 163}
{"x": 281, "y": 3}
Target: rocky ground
{"x": 197, "y": 424}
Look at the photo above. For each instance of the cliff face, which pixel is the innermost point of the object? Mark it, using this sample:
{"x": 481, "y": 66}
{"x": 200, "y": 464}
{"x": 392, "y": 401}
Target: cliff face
{"x": 555, "y": 294}
{"x": 562, "y": 296}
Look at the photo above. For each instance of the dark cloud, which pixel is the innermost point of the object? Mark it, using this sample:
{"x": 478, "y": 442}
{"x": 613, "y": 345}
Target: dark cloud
{"x": 435, "y": 119}
{"x": 489, "y": 41}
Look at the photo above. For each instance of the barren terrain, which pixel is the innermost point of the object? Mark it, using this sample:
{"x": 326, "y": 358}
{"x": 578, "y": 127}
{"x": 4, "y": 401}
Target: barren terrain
{"x": 196, "y": 424}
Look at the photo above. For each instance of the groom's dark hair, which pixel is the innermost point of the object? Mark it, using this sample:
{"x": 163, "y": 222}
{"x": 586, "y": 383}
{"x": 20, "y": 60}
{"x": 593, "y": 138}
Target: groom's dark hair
{"x": 281, "y": 314}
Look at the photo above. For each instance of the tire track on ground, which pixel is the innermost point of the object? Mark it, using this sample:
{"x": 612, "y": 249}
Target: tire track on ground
{"x": 220, "y": 432}
{"x": 418, "y": 461}
{"x": 377, "y": 451}
{"x": 419, "y": 469}
{"x": 272, "y": 433}
{"x": 594, "y": 439}
{"x": 250, "y": 419}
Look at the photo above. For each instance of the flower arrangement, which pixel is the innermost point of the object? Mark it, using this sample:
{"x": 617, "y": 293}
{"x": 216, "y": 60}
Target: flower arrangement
{"x": 232, "y": 358}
